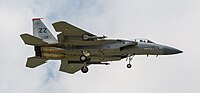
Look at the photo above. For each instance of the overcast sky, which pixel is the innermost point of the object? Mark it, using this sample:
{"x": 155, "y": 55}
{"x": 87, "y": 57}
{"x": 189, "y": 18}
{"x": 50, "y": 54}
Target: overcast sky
{"x": 171, "y": 22}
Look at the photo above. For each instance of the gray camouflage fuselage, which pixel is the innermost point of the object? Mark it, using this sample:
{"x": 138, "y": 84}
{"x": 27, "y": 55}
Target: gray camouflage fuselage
{"x": 109, "y": 50}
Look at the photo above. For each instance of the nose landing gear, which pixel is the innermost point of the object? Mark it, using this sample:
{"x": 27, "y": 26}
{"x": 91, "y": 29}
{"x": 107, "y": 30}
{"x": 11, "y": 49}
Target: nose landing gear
{"x": 129, "y": 59}
{"x": 129, "y": 65}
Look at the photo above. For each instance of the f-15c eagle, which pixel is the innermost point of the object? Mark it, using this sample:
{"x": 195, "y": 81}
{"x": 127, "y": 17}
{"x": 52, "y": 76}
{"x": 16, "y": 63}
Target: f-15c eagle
{"x": 77, "y": 48}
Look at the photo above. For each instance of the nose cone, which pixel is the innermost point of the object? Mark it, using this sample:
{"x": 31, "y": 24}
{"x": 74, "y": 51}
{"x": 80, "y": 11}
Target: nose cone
{"x": 170, "y": 50}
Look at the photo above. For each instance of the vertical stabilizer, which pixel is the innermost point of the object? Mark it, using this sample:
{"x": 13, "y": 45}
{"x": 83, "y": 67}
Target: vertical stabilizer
{"x": 42, "y": 32}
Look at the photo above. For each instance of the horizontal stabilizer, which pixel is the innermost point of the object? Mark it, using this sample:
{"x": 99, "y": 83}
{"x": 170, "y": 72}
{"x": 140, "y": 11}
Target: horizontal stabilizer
{"x": 32, "y": 40}
{"x": 33, "y": 62}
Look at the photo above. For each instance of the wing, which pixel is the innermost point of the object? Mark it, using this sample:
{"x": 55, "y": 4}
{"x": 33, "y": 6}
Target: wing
{"x": 69, "y": 32}
{"x": 70, "y": 67}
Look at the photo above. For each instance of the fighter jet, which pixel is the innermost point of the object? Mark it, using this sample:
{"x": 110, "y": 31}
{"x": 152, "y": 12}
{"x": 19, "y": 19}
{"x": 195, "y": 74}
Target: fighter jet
{"x": 77, "y": 48}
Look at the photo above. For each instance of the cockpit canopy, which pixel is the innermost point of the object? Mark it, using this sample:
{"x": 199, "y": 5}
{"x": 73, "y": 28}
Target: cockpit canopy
{"x": 143, "y": 40}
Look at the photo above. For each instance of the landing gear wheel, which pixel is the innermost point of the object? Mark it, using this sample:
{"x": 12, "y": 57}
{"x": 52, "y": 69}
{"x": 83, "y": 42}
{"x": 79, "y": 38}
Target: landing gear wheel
{"x": 83, "y": 58}
{"x": 129, "y": 65}
{"x": 84, "y": 69}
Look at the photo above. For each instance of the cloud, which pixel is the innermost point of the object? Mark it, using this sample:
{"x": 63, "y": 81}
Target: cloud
{"x": 174, "y": 23}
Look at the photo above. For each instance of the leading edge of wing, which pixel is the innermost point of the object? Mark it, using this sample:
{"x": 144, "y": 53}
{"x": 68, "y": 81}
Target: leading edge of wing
{"x": 69, "y": 30}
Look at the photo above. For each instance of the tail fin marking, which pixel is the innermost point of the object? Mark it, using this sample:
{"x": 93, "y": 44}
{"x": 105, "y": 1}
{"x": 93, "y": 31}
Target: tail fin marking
{"x": 42, "y": 32}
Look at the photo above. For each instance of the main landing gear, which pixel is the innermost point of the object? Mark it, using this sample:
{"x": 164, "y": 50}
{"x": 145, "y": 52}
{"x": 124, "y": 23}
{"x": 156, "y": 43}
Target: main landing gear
{"x": 84, "y": 69}
{"x": 129, "y": 59}
{"x": 84, "y": 59}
